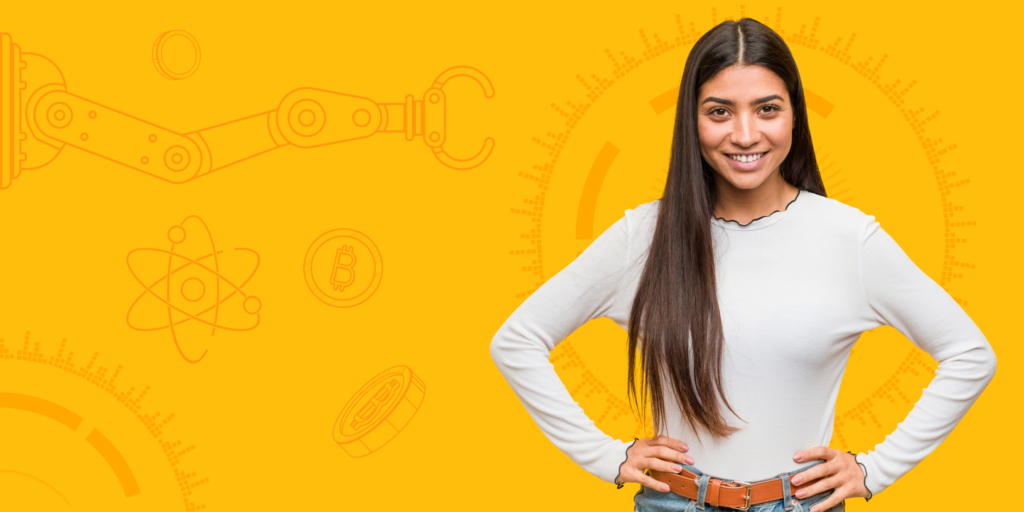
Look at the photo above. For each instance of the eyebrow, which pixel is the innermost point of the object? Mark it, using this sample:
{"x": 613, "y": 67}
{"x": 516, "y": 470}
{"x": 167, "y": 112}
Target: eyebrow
{"x": 731, "y": 103}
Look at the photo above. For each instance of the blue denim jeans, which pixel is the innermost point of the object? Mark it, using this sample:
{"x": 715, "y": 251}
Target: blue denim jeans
{"x": 651, "y": 500}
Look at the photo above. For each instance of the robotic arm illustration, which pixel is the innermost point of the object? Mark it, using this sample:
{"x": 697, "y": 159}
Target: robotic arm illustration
{"x": 38, "y": 117}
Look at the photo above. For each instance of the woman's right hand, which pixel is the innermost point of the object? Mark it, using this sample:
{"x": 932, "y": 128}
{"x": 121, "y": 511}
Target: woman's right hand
{"x": 660, "y": 453}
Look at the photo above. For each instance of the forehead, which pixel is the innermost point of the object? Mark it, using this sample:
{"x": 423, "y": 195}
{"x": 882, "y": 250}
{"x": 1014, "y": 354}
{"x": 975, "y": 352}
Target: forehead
{"x": 743, "y": 82}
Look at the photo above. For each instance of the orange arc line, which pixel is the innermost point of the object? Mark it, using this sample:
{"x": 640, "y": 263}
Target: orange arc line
{"x": 161, "y": 299}
{"x": 200, "y": 313}
{"x": 591, "y": 189}
{"x": 40, "y": 480}
{"x": 216, "y": 268}
{"x": 669, "y": 98}
{"x": 73, "y": 421}
{"x": 817, "y": 103}
{"x": 38, "y": 405}
{"x": 115, "y": 461}
{"x": 216, "y": 302}
{"x": 665, "y": 100}
{"x": 158, "y": 281}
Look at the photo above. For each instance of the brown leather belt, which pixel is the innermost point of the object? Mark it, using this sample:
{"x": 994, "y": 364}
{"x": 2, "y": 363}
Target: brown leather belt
{"x": 725, "y": 493}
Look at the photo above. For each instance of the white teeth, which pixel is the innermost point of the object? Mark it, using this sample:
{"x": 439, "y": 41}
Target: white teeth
{"x": 747, "y": 158}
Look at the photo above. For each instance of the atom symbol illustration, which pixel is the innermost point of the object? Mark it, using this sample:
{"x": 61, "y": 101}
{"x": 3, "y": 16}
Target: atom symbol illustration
{"x": 197, "y": 291}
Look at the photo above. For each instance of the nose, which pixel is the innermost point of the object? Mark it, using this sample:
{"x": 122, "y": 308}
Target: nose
{"x": 745, "y": 132}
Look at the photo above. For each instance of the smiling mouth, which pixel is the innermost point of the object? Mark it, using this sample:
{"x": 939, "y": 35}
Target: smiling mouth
{"x": 747, "y": 158}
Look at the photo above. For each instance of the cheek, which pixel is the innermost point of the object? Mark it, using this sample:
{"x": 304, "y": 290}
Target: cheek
{"x": 780, "y": 135}
{"x": 710, "y": 135}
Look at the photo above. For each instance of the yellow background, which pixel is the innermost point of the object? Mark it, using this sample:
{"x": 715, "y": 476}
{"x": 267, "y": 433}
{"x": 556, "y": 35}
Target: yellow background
{"x": 252, "y": 421}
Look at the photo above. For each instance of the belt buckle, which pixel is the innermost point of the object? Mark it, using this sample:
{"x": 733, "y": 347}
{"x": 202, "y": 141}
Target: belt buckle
{"x": 750, "y": 492}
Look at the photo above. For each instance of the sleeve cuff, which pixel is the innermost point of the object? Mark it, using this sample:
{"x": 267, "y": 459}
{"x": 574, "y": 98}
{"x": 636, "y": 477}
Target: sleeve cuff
{"x": 619, "y": 486}
{"x": 871, "y": 475}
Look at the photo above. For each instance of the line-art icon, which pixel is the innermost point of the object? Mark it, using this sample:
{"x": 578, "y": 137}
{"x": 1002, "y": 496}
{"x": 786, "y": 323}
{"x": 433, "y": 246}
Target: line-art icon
{"x": 160, "y": 62}
{"x": 38, "y": 117}
{"x": 379, "y": 410}
{"x": 343, "y": 267}
{"x": 344, "y": 263}
{"x": 193, "y": 283}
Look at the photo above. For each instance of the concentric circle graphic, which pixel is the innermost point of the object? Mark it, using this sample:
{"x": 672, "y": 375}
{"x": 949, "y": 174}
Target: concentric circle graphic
{"x": 611, "y": 153}
{"x": 160, "y": 62}
{"x": 343, "y": 267}
{"x": 308, "y": 117}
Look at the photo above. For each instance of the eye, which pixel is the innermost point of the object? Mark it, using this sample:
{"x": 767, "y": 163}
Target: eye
{"x": 770, "y": 108}
{"x": 717, "y": 109}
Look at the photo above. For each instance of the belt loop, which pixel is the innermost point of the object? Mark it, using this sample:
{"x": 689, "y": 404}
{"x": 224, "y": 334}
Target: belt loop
{"x": 702, "y": 489}
{"x": 691, "y": 506}
{"x": 787, "y": 502}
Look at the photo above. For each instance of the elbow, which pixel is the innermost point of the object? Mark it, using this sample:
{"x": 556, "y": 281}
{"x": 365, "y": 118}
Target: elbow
{"x": 497, "y": 350}
{"x": 989, "y": 364}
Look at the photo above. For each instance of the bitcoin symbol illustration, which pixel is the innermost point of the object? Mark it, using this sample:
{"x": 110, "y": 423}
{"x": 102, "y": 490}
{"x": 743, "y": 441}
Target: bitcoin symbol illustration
{"x": 380, "y": 398}
{"x": 347, "y": 267}
{"x": 379, "y": 410}
{"x": 330, "y": 267}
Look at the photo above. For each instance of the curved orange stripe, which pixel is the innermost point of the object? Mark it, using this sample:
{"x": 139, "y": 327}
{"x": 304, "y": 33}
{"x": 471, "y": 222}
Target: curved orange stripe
{"x": 73, "y": 421}
{"x": 40, "y": 406}
{"x": 817, "y": 103}
{"x": 115, "y": 461}
{"x": 592, "y": 187}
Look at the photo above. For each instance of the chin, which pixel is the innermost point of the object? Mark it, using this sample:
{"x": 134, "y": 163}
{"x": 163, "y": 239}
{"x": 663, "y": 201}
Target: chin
{"x": 745, "y": 182}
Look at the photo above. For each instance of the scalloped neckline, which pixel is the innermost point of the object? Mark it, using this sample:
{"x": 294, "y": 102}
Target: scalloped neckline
{"x": 784, "y": 209}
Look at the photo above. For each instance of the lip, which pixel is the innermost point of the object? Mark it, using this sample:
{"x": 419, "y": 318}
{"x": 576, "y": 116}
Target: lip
{"x": 747, "y": 166}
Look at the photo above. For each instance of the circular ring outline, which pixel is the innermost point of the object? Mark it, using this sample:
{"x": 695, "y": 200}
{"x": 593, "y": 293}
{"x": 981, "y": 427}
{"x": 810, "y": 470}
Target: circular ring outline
{"x": 307, "y": 267}
{"x": 313, "y": 128}
{"x": 158, "y": 55}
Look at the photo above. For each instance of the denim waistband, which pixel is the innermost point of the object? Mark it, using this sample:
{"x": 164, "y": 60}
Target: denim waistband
{"x": 703, "y": 479}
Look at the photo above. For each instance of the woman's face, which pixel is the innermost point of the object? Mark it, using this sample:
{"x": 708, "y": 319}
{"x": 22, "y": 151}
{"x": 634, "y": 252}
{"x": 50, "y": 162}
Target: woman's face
{"x": 744, "y": 111}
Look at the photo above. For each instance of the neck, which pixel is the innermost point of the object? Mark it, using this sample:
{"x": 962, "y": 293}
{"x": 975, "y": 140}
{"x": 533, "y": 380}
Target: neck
{"x": 745, "y": 205}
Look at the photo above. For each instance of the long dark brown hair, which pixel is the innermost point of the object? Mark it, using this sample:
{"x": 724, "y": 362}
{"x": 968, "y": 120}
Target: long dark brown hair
{"x": 675, "y": 311}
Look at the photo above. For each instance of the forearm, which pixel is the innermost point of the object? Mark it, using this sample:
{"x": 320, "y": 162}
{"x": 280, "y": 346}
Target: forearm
{"x": 586, "y": 289}
{"x": 958, "y": 382}
{"x": 533, "y": 379}
{"x": 899, "y": 294}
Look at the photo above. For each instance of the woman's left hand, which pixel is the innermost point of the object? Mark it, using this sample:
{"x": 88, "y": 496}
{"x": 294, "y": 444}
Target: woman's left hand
{"x": 843, "y": 472}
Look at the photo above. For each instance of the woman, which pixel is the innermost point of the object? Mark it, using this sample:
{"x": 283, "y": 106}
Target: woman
{"x": 744, "y": 289}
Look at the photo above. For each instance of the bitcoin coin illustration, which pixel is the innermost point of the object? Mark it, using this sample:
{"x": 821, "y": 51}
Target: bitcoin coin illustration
{"x": 379, "y": 410}
{"x": 343, "y": 267}
{"x": 611, "y": 150}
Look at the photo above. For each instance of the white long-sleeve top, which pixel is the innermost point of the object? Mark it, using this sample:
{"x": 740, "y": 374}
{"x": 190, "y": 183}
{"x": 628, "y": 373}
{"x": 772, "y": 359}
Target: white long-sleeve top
{"x": 795, "y": 289}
